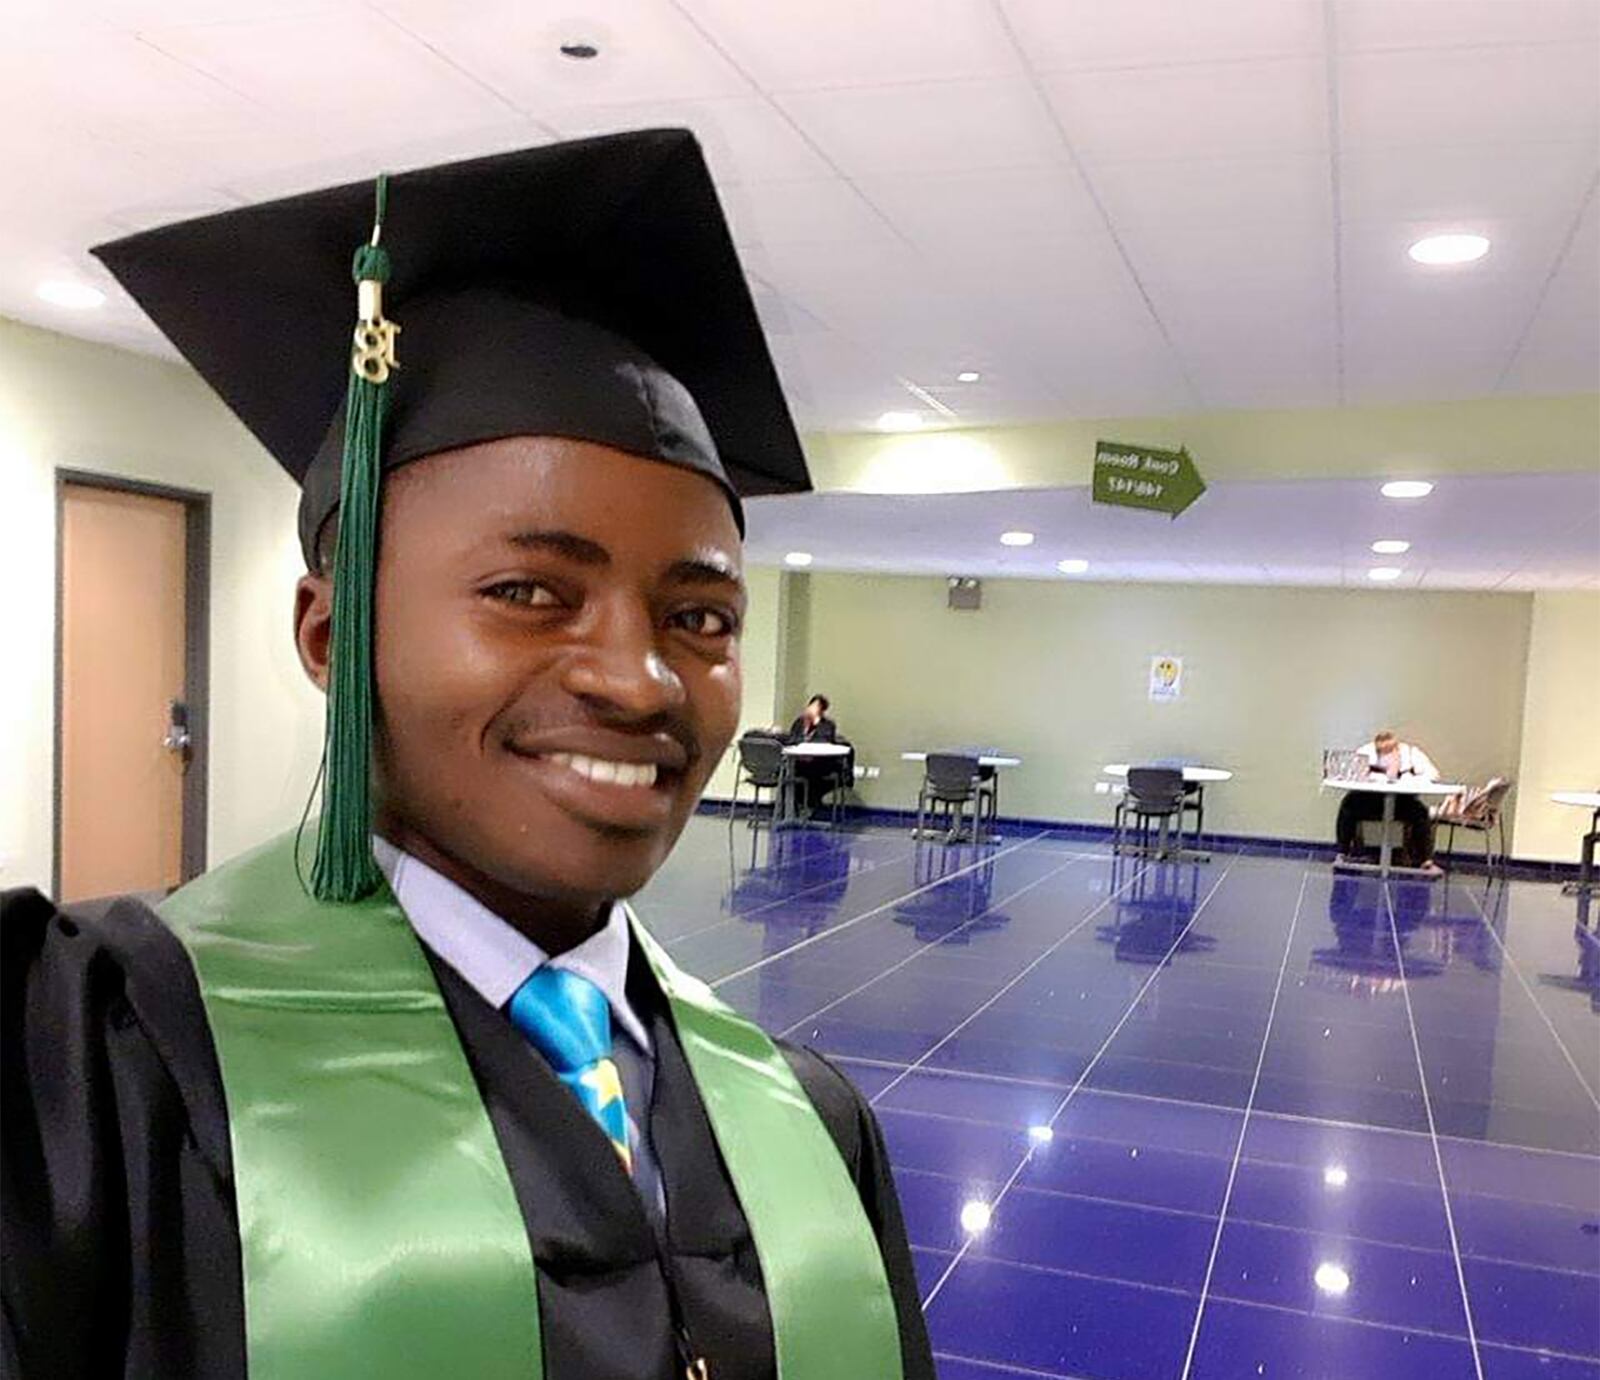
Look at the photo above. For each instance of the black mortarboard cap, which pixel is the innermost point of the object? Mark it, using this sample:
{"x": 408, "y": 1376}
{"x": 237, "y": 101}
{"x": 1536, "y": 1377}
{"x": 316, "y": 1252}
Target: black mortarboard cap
{"x": 587, "y": 289}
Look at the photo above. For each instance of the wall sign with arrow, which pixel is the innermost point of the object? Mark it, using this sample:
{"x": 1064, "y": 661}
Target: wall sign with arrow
{"x": 1164, "y": 481}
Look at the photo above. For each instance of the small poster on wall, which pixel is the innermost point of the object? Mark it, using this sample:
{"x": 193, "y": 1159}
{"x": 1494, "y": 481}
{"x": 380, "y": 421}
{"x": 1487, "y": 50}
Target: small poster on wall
{"x": 1166, "y": 677}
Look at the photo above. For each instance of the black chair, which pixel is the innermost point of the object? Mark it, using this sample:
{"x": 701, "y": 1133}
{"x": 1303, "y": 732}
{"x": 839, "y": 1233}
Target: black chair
{"x": 1154, "y": 793}
{"x": 950, "y": 782}
{"x": 762, "y": 767}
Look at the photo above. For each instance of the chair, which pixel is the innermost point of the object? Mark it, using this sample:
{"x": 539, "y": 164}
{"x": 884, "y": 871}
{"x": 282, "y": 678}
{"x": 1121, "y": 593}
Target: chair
{"x": 1154, "y": 793}
{"x": 1480, "y": 811}
{"x": 950, "y": 782}
{"x": 762, "y": 767}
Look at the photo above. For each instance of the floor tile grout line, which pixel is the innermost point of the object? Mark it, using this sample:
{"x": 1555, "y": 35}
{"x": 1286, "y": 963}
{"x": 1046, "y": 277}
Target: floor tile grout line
{"x": 1244, "y": 1127}
{"x": 736, "y": 916}
{"x": 1300, "y": 1117}
{"x": 1054, "y": 946}
{"x": 1427, "y": 1107}
{"x": 1262, "y": 1305}
{"x": 1088, "y": 1068}
{"x": 1516, "y": 969}
{"x": 867, "y": 914}
{"x": 930, "y": 948}
{"x": 1005, "y": 1368}
{"x": 1258, "y": 1222}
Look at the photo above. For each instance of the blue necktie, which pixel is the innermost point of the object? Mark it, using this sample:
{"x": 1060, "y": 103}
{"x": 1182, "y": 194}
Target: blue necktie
{"x": 568, "y": 1020}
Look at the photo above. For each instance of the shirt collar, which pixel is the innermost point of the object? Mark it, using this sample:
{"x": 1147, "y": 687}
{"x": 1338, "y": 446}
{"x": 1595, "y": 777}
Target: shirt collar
{"x": 493, "y": 956}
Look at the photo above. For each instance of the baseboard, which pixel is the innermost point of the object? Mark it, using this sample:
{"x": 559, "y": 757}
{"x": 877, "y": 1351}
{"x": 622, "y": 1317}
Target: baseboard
{"x": 1246, "y": 845}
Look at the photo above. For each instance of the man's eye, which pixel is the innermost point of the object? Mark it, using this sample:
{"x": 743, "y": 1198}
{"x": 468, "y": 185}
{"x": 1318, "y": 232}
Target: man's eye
{"x": 528, "y": 593}
{"x": 705, "y": 622}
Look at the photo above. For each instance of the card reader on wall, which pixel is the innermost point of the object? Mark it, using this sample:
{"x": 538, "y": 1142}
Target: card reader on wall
{"x": 965, "y": 592}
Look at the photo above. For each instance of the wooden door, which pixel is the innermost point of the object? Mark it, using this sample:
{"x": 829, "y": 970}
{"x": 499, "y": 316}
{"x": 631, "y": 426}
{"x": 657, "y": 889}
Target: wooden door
{"x": 123, "y": 658}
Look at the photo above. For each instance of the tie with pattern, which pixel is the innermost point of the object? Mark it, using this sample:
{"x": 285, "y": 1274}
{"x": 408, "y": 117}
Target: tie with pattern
{"x": 568, "y": 1020}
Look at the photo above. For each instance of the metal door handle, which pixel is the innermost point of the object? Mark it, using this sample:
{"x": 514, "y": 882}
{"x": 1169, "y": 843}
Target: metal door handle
{"x": 177, "y": 736}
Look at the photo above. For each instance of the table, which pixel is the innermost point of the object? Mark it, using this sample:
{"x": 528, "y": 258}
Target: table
{"x": 1381, "y": 785}
{"x": 787, "y": 816}
{"x": 1583, "y": 800}
{"x": 992, "y": 761}
{"x": 1199, "y": 778}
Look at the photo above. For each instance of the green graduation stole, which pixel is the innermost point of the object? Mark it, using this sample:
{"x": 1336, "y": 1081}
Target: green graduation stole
{"x": 380, "y": 1232}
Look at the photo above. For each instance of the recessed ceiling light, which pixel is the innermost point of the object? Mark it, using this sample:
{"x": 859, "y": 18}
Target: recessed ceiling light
{"x": 579, "y": 52}
{"x": 1449, "y": 249}
{"x": 1335, "y": 1176}
{"x": 1384, "y": 572}
{"x": 1074, "y": 566}
{"x": 899, "y": 421}
{"x": 968, "y": 376}
{"x": 73, "y": 296}
{"x": 1390, "y": 548}
{"x": 1016, "y": 539}
{"x": 975, "y": 1216}
{"x": 1041, "y": 1135}
{"x": 798, "y": 558}
{"x": 1407, "y": 488}
{"x": 1332, "y": 1279}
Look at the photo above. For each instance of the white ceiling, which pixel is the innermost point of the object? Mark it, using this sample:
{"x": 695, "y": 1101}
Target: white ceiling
{"x": 1108, "y": 207}
{"x": 1477, "y": 532}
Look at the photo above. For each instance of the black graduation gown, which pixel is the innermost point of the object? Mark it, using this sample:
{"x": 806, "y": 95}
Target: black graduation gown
{"x": 120, "y": 1254}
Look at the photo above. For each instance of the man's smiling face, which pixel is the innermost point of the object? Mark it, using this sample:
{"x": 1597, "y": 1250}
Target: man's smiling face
{"x": 557, "y": 665}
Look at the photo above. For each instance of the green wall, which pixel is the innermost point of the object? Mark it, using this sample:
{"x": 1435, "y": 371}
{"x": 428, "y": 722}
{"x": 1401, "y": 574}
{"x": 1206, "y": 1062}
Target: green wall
{"x": 1058, "y": 673}
{"x": 1561, "y": 738}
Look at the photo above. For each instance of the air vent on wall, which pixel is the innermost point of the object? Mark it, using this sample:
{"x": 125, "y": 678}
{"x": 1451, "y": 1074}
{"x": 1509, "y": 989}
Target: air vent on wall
{"x": 965, "y": 592}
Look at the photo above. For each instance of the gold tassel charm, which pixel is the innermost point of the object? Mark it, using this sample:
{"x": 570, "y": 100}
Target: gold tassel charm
{"x": 373, "y": 356}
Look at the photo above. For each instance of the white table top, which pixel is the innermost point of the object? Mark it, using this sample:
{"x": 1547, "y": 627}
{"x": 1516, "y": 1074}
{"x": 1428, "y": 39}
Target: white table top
{"x": 815, "y": 749}
{"x": 984, "y": 761}
{"x": 1195, "y": 776}
{"x": 1589, "y": 800}
{"x": 1404, "y": 785}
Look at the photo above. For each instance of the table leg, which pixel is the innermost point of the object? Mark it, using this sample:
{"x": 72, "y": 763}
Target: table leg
{"x": 1386, "y": 843}
{"x": 1585, "y": 886}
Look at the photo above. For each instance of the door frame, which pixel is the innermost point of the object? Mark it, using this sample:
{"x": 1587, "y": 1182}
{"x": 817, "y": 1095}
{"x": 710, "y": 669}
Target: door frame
{"x": 197, "y": 655}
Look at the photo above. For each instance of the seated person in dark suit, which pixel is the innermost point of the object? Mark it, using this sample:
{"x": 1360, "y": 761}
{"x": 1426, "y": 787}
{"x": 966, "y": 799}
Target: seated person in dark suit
{"x": 1388, "y": 756}
{"x": 819, "y": 775}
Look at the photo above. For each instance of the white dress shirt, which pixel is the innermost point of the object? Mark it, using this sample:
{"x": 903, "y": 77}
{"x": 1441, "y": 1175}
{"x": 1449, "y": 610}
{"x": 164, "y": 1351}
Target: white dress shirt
{"x": 495, "y": 958}
{"x": 1406, "y": 760}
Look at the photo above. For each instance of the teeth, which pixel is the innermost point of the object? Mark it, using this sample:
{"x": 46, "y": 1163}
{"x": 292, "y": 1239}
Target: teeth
{"x": 601, "y": 770}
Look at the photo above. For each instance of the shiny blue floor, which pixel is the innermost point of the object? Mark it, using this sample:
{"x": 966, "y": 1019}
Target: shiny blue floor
{"x": 1231, "y": 1120}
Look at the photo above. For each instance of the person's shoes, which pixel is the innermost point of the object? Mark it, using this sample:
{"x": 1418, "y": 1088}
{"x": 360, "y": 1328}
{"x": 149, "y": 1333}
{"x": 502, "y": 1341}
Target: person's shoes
{"x": 1431, "y": 869}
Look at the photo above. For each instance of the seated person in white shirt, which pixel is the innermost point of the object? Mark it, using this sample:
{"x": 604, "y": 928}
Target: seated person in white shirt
{"x": 1390, "y": 757}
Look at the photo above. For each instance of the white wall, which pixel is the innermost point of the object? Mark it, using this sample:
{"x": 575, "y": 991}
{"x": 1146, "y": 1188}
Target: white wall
{"x": 1561, "y": 740}
{"x": 68, "y": 404}
{"x": 1058, "y": 671}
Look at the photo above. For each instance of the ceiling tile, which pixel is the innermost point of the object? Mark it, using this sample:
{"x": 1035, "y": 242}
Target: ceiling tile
{"x": 322, "y": 73}
{"x": 975, "y": 210}
{"x": 1196, "y": 111}
{"x": 834, "y": 43}
{"x": 1145, "y": 33}
{"x": 817, "y": 211}
{"x": 746, "y": 138}
{"x": 1466, "y": 182}
{"x": 928, "y": 127}
{"x": 648, "y": 50}
{"x": 1376, "y": 24}
{"x": 1407, "y": 99}
{"x": 1276, "y": 193}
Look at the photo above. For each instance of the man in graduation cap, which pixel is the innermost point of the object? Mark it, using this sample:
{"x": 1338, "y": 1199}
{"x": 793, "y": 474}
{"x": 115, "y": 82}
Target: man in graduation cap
{"x": 416, "y": 1095}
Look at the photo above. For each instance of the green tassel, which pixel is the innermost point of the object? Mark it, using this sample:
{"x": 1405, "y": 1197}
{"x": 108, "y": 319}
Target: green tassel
{"x": 344, "y": 868}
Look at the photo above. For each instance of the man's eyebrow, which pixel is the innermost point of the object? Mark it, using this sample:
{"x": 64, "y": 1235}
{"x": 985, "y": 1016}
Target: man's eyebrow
{"x": 568, "y": 544}
{"x": 709, "y": 569}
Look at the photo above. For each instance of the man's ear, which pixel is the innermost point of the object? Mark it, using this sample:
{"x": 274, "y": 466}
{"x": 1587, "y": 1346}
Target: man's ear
{"x": 313, "y": 625}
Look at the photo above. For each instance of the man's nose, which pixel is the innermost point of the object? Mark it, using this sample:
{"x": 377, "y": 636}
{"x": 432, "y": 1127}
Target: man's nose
{"x": 618, "y": 665}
